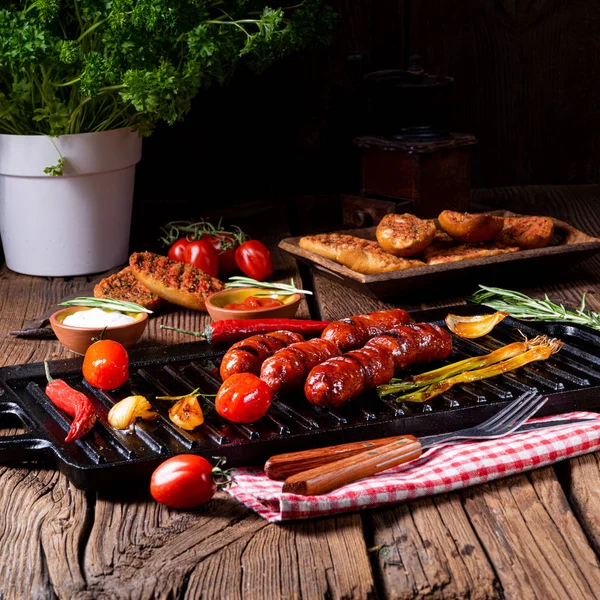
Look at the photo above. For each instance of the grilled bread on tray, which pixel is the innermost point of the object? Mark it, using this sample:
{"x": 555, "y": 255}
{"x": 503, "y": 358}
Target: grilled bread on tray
{"x": 358, "y": 254}
{"x": 440, "y": 253}
{"x": 176, "y": 282}
{"x": 124, "y": 286}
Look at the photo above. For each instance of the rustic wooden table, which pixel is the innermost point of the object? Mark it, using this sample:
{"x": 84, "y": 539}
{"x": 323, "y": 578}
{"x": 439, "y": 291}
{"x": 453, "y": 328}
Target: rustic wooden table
{"x": 530, "y": 536}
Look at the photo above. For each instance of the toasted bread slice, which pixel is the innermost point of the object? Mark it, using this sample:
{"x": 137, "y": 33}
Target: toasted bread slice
{"x": 468, "y": 228}
{"x": 526, "y": 232}
{"x": 358, "y": 254}
{"x": 124, "y": 286}
{"x": 405, "y": 235}
{"x": 438, "y": 254}
{"x": 173, "y": 281}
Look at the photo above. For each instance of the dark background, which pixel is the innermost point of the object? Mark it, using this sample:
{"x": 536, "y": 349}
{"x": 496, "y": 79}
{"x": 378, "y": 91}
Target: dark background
{"x": 527, "y": 86}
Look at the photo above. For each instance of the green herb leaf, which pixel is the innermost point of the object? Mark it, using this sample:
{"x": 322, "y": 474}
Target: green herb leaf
{"x": 271, "y": 289}
{"x": 521, "y": 306}
{"x": 108, "y": 304}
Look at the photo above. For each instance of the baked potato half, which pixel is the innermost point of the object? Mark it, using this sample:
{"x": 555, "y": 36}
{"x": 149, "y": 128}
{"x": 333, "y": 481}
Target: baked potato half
{"x": 526, "y": 232}
{"x": 405, "y": 235}
{"x": 469, "y": 228}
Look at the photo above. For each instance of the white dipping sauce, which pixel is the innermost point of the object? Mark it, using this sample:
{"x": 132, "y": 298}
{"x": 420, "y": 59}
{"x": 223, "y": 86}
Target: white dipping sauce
{"x": 96, "y": 317}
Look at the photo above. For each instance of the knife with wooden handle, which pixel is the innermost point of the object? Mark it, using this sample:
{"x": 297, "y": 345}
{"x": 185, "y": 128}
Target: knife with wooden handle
{"x": 281, "y": 466}
{"x": 313, "y": 472}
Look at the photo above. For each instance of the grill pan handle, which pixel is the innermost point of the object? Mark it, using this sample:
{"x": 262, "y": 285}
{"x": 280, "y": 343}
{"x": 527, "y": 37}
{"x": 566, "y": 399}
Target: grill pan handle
{"x": 22, "y": 447}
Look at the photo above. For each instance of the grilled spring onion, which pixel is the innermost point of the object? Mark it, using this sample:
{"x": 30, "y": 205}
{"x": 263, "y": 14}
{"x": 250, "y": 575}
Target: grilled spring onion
{"x": 107, "y": 304}
{"x": 124, "y": 414}
{"x": 468, "y": 364}
{"x": 521, "y": 306}
{"x": 541, "y": 351}
{"x": 271, "y": 289}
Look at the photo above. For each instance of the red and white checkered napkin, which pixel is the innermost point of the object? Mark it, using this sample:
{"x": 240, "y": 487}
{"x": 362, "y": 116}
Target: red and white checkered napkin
{"x": 437, "y": 471}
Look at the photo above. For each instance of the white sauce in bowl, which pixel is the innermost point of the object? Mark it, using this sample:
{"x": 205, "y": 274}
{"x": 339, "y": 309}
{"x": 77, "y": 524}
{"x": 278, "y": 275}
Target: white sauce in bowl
{"x": 96, "y": 317}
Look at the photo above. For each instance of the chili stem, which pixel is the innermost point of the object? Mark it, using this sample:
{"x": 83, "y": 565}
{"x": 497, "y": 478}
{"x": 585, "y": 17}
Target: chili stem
{"x": 47, "y": 370}
{"x": 187, "y": 331}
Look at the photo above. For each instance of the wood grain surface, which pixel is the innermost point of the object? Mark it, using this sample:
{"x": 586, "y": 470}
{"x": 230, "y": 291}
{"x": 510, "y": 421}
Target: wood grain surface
{"x": 530, "y": 536}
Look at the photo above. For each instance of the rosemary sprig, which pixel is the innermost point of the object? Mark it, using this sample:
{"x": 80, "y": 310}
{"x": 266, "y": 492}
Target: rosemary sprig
{"x": 521, "y": 306}
{"x": 108, "y": 304}
{"x": 279, "y": 289}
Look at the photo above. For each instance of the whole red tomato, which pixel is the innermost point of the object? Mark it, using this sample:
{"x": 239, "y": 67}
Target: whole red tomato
{"x": 183, "y": 481}
{"x": 254, "y": 259}
{"x": 243, "y": 398}
{"x": 176, "y": 251}
{"x": 106, "y": 365}
{"x": 225, "y": 244}
{"x": 203, "y": 255}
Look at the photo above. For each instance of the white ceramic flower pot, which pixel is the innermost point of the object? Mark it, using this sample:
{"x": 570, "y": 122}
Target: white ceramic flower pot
{"x": 74, "y": 224}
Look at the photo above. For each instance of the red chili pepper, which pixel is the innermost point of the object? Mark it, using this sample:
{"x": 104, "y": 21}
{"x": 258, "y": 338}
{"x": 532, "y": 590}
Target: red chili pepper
{"x": 74, "y": 403}
{"x": 233, "y": 330}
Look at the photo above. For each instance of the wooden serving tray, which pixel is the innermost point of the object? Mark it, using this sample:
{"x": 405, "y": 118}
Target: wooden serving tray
{"x": 569, "y": 246}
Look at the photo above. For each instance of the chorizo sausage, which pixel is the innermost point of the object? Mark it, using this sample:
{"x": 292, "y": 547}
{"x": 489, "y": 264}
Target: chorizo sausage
{"x": 248, "y": 355}
{"x": 337, "y": 380}
{"x": 354, "y": 332}
{"x": 289, "y": 367}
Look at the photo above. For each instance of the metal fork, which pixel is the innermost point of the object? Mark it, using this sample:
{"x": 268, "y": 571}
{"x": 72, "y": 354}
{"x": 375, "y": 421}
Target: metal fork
{"x": 325, "y": 478}
{"x": 504, "y": 422}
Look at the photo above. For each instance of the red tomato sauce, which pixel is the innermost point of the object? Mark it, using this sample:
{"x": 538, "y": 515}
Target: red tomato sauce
{"x": 254, "y": 303}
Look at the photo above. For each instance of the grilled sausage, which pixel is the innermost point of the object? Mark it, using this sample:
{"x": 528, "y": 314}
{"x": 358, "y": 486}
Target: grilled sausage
{"x": 289, "y": 367}
{"x": 248, "y": 355}
{"x": 342, "y": 378}
{"x": 354, "y": 332}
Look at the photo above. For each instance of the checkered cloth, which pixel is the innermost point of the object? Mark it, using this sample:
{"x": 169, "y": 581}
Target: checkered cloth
{"x": 437, "y": 471}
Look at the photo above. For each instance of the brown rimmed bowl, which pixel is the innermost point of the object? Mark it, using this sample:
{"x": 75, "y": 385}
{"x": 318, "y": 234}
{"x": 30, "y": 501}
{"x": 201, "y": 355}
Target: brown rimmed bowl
{"x": 216, "y": 302}
{"x": 79, "y": 339}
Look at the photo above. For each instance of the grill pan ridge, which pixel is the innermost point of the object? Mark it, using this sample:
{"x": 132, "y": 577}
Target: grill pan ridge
{"x": 570, "y": 378}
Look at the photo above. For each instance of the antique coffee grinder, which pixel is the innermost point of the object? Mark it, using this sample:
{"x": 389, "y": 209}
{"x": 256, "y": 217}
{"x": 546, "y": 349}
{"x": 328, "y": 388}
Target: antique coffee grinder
{"x": 411, "y": 161}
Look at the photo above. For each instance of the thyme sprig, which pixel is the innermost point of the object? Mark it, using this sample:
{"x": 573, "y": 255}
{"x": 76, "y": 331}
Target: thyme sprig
{"x": 521, "y": 306}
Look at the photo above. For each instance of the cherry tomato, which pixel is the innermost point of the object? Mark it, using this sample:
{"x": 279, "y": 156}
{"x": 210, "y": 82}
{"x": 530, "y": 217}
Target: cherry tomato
{"x": 225, "y": 244}
{"x": 106, "y": 365}
{"x": 183, "y": 481}
{"x": 243, "y": 398}
{"x": 202, "y": 254}
{"x": 254, "y": 259}
{"x": 176, "y": 251}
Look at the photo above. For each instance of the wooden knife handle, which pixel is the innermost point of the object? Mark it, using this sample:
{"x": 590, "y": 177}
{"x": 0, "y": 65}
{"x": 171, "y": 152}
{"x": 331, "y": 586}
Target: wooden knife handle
{"x": 281, "y": 466}
{"x": 325, "y": 478}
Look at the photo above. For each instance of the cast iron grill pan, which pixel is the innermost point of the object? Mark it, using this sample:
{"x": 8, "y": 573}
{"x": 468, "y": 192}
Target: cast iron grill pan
{"x": 571, "y": 378}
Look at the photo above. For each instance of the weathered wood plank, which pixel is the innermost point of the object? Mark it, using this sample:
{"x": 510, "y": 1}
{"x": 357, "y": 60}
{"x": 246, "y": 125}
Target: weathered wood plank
{"x": 332, "y": 558}
{"x": 532, "y": 538}
{"x": 42, "y": 527}
{"x": 584, "y": 494}
{"x": 429, "y": 550}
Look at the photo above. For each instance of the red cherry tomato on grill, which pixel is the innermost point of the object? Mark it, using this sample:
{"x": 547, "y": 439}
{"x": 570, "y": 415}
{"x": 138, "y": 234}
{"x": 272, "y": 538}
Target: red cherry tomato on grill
{"x": 243, "y": 398}
{"x": 183, "y": 481}
{"x": 177, "y": 250}
{"x": 106, "y": 365}
{"x": 202, "y": 254}
{"x": 254, "y": 259}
